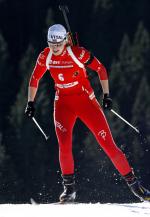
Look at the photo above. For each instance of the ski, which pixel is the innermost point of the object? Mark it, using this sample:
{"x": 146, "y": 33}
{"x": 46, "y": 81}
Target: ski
{"x": 33, "y": 202}
{"x": 64, "y": 203}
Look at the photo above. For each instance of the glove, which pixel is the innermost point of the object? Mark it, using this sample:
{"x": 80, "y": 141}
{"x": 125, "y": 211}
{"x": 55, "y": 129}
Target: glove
{"x": 29, "y": 111}
{"x": 107, "y": 102}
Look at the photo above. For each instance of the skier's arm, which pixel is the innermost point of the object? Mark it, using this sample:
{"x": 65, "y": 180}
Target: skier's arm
{"x": 90, "y": 61}
{"x": 94, "y": 64}
{"x": 105, "y": 86}
{"x": 38, "y": 72}
{"x": 32, "y": 93}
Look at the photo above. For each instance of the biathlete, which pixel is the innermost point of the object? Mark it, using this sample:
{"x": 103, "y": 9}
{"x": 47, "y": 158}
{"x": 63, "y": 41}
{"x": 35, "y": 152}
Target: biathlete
{"x": 74, "y": 99}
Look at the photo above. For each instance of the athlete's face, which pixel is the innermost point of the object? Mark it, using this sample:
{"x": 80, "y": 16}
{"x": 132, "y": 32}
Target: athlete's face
{"x": 57, "y": 48}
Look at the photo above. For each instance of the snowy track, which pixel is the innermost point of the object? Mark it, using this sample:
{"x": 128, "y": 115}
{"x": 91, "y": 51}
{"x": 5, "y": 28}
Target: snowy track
{"x": 84, "y": 210}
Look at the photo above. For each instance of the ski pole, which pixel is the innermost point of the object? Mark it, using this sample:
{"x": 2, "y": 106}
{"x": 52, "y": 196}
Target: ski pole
{"x": 65, "y": 10}
{"x": 125, "y": 121}
{"x": 34, "y": 120}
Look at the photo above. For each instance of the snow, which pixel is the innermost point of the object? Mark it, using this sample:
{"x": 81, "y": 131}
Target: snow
{"x": 76, "y": 210}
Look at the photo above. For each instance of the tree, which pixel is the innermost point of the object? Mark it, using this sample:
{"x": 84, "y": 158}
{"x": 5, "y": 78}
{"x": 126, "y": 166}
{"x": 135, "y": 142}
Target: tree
{"x": 126, "y": 72}
{"x": 130, "y": 82}
{"x": 120, "y": 71}
{"x": 10, "y": 182}
{"x": 140, "y": 54}
{"x": 2, "y": 153}
{"x": 49, "y": 18}
{"x": 18, "y": 134}
{"x": 26, "y": 65}
{"x": 120, "y": 91}
{"x": 141, "y": 117}
{"x": 105, "y": 4}
{"x": 33, "y": 154}
{"x": 6, "y": 81}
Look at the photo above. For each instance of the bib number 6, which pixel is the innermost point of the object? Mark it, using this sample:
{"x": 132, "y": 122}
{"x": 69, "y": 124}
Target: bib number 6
{"x": 61, "y": 77}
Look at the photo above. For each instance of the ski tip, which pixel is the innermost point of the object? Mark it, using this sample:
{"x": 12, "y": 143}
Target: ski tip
{"x": 32, "y": 201}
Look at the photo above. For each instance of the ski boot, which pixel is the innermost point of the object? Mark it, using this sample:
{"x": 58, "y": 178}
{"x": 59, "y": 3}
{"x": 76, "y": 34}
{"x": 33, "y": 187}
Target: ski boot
{"x": 69, "y": 193}
{"x": 136, "y": 187}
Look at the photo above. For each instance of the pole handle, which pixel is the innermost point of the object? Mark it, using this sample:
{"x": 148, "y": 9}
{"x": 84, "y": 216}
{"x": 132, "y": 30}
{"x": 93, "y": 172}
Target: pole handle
{"x": 64, "y": 7}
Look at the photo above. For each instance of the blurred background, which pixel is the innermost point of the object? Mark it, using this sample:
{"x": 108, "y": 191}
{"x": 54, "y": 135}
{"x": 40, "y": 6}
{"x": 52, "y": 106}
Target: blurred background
{"x": 118, "y": 33}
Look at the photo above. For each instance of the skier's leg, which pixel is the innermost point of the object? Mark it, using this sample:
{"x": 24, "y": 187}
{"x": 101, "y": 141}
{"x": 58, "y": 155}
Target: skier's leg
{"x": 64, "y": 120}
{"x": 94, "y": 118}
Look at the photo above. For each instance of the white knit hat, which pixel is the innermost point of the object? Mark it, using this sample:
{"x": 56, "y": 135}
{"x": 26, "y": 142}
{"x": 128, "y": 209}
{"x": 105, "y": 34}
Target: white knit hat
{"x": 56, "y": 33}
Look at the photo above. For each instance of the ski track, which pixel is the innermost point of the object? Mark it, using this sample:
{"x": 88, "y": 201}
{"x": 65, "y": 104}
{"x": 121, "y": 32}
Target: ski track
{"x": 76, "y": 210}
